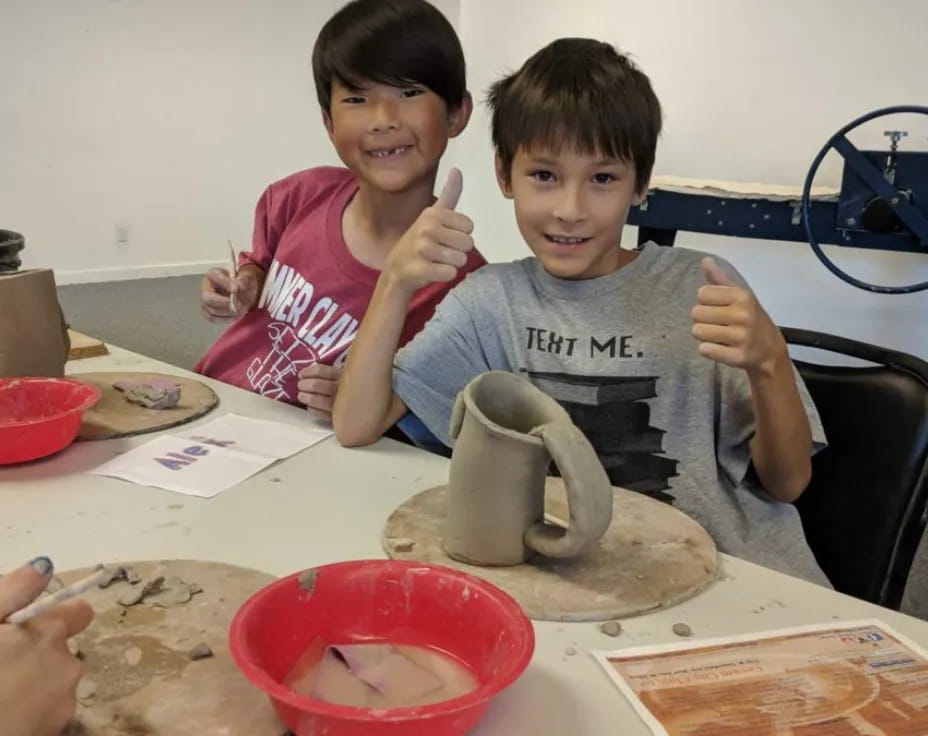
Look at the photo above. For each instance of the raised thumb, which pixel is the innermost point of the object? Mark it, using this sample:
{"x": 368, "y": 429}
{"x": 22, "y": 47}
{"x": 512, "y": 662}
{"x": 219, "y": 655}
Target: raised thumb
{"x": 714, "y": 273}
{"x": 451, "y": 192}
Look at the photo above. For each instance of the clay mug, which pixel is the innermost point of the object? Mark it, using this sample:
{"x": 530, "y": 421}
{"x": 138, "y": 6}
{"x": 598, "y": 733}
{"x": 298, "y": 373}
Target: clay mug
{"x": 506, "y": 434}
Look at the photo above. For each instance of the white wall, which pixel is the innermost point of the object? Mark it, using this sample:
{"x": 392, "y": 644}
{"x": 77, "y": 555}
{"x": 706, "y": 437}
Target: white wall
{"x": 168, "y": 117}
{"x": 751, "y": 90}
{"x": 163, "y": 118}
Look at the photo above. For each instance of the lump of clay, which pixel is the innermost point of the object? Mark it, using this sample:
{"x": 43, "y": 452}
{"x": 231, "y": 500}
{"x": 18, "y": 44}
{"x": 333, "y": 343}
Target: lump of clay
{"x": 611, "y": 628}
{"x": 117, "y": 574}
{"x": 161, "y": 593}
{"x": 307, "y": 579}
{"x": 201, "y": 651}
{"x": 140, "y": 592}
{"x": 86, "y": 689}
{"x": 153, "y": 394}
{"x": 176, "y": 592}
{"x": 681, "y": 629}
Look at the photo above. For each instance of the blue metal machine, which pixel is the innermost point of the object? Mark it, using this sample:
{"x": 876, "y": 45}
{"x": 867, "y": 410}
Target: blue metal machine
{"x": 882, "y": 205}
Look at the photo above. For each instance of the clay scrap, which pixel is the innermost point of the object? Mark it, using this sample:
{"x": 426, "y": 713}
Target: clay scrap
{"x": 156, "y": 393}
{"x": 201, "y": 651}
{"x": 160, "y": 593}
{"x": 137, "y": 595}
{"x": 611, "y": 628}
{"x": 681, "y": 629}
{"x": 117, "y": 574}
{"x": 86, "y": 689}
{"x": 307, "y": 579}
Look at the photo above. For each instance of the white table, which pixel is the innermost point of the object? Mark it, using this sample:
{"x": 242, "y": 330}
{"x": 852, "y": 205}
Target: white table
{"x": 330, "y": 504}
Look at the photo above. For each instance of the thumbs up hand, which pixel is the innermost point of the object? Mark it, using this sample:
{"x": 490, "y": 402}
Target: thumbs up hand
{"x": 732, "y": 327}
{"x": 436, "y": 245}
{"x": 715, "y": 274}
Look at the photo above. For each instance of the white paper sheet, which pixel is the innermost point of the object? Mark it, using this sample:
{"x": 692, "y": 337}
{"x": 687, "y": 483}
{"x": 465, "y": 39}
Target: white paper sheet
{"x": 211, "y": 458}
{"x": 258, "y": 436}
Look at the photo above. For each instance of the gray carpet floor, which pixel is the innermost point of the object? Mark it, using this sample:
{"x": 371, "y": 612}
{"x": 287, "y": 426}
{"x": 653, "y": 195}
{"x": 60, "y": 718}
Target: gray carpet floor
{"x": 156, "y": 317}
{"x": 161, "y": 318}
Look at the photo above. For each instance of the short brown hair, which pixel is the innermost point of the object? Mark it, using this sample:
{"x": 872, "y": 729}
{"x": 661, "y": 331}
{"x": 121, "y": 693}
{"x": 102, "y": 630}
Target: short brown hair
{"x": 583, "y": 94}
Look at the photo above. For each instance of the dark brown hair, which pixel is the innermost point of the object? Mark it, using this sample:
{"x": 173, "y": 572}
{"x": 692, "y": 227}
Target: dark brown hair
{"x": 398, "y": 42}
{"x": 579, "y": 93}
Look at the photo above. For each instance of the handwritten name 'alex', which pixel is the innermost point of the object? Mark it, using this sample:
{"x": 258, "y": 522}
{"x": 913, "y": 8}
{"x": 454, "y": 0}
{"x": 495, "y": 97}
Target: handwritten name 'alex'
{"x": 189, "y": 455}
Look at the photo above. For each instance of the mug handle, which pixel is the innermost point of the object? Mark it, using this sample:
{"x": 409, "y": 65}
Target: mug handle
{"x": 589, "y": 494}
{"x": 457, "y": 416}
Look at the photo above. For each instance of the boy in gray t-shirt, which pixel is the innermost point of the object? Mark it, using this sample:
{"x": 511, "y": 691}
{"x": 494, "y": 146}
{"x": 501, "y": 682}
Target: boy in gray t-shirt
{"x": 663, "y": 357}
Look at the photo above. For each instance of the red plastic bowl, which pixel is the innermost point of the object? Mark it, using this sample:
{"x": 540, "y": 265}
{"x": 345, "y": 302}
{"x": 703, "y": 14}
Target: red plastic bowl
{"x": 387, "y": 600}
{"x": 39, "y": 416}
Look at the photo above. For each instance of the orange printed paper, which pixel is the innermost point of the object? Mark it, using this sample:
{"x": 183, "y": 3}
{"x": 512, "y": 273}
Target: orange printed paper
{"x": 852, "y": 679}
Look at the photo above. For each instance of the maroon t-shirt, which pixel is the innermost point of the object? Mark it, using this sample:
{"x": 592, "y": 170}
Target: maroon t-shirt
{"x": 315, "y": 294}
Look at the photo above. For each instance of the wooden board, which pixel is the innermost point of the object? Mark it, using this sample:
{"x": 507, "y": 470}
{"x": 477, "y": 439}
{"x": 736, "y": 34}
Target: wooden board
{"x": 651, "y": 557}
{"x": 84, "y": 346}
{"x": 114, "y": 416}
{"x": 138, "y": 659}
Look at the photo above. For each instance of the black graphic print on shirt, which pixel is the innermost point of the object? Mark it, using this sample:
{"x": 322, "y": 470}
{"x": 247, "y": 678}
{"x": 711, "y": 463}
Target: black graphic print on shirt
{"x": 613, "y": 413}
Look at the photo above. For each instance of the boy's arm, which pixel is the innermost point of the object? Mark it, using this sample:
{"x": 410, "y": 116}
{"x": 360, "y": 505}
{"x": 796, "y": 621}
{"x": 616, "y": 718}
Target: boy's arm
{"x": 366, "y": 405}
{"x": 433, "y": 249}
{"x": 782, "y": 436}
{"x": 735, "y": 330}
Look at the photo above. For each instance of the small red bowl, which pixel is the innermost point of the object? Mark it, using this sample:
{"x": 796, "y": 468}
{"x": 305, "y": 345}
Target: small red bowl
{"x": 40, "y": 416}
{"x": 386, "y": 600}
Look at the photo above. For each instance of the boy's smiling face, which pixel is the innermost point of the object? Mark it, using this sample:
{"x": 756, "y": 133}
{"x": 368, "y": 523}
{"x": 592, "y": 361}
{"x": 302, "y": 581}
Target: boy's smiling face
{"x": 571, "y": 208}
{"x": 392, "y": 137}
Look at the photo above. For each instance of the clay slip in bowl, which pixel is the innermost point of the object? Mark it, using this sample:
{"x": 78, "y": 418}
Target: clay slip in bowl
{"x": 386, "y": 600}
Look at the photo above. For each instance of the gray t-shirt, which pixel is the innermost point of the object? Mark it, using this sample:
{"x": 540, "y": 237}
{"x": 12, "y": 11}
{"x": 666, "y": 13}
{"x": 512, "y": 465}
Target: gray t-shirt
{"x": 618, "y": 353}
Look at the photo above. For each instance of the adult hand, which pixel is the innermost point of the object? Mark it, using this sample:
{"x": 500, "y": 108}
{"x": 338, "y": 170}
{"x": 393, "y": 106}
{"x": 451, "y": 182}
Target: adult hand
{"x": 38, "y": 674}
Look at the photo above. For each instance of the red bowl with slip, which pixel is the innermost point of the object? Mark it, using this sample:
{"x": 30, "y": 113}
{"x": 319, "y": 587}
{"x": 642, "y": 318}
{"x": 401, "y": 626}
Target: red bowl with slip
{"x": 40, "y": 416}
{"x": 404, "y": 603}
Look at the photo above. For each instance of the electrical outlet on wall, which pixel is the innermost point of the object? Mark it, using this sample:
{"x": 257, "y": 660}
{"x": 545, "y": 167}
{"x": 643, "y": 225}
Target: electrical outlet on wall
{"x": 122, "y": 235}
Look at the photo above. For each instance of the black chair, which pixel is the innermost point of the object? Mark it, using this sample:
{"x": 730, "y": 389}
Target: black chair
{"x": 865, "y": 509}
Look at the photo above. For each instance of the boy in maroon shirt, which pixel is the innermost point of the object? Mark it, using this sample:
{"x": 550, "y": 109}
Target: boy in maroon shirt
{"x": 390, "y": 78}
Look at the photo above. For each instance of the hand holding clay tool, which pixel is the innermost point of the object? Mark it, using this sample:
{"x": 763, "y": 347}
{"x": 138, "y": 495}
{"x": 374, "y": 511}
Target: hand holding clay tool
{"x": 233, "y": 274}
{"x": 38, "y": 607}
